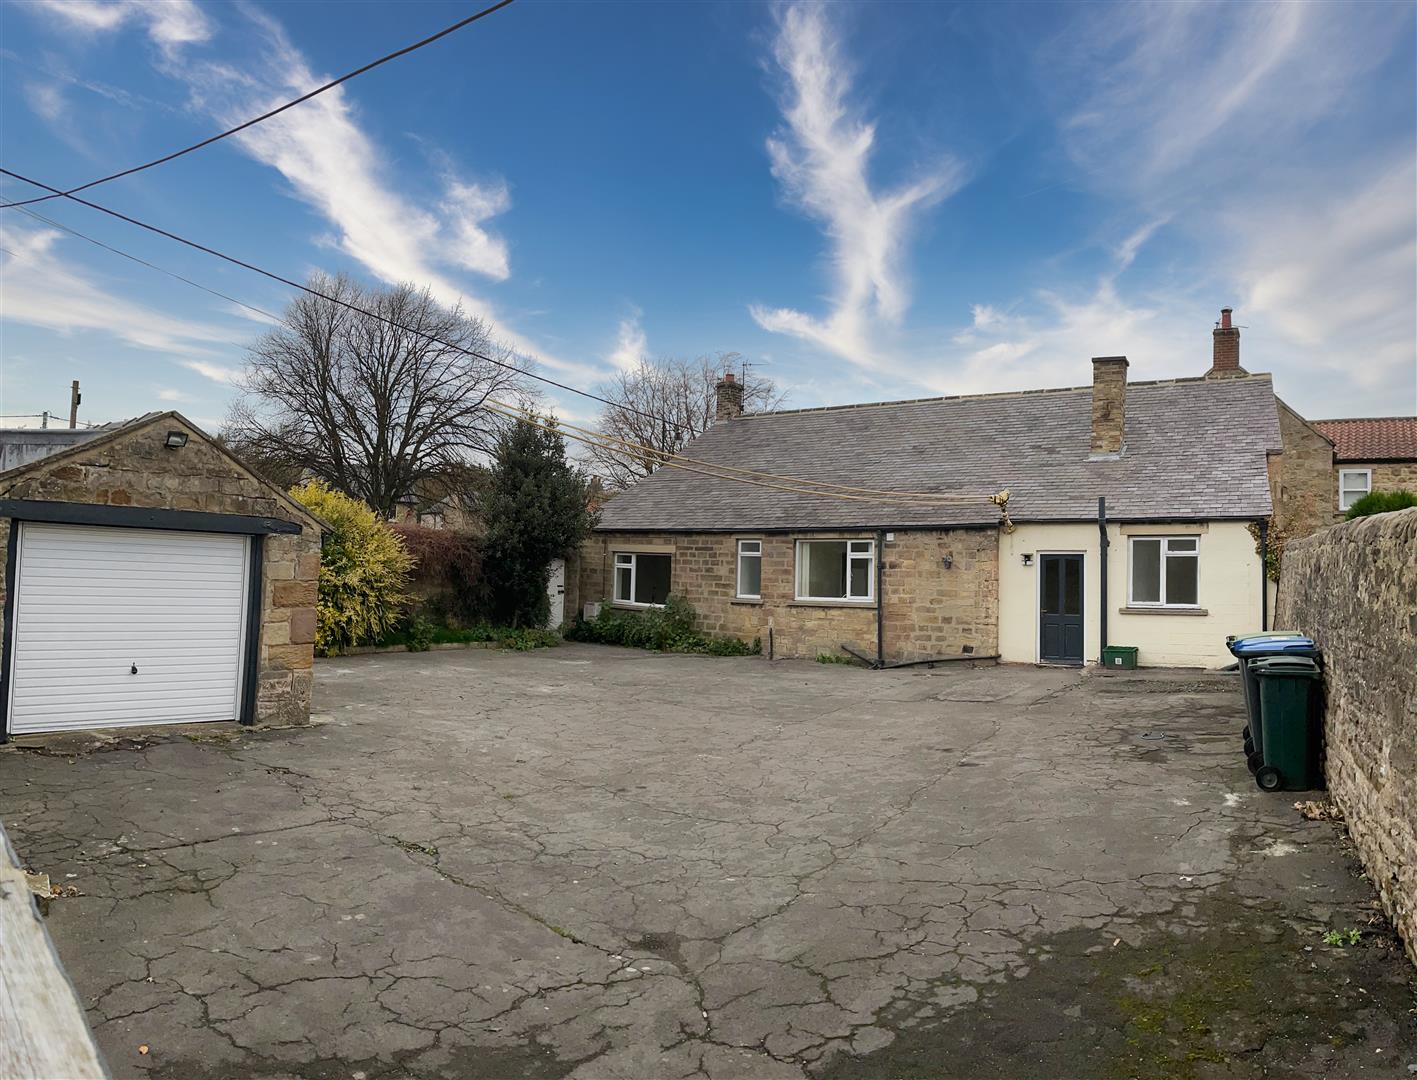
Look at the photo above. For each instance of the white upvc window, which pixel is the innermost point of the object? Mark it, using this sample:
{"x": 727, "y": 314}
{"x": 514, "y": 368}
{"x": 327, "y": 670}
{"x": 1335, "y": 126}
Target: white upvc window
{"x": 641, "y": 578}
{"x": 750, "y": 570}
{"x": 840, "y": 570}
{"x": 1165, "y": 571}
{"x": 1353, "y": 484}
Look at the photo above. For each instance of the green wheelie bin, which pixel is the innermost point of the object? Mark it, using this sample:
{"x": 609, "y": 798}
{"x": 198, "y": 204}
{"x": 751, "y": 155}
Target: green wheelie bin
{"x": 1289, "y": 688}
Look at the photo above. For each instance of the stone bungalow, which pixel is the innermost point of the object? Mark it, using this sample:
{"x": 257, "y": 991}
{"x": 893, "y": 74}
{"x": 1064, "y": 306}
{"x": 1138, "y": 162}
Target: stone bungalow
{"x": 150, "y": 578}
{"x": 1188, "y": 473}
{"x": 1370, "y": 454}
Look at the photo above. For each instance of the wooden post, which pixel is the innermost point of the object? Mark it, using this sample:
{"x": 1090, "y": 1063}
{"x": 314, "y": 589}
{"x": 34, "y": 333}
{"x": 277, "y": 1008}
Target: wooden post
{"x": 42, "y": 1027}
{"x": 74, "y": 398}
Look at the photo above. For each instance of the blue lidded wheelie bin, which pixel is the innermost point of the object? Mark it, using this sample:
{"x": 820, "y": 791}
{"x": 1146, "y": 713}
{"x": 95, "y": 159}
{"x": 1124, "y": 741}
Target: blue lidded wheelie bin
{"x": 1253, "y": 647}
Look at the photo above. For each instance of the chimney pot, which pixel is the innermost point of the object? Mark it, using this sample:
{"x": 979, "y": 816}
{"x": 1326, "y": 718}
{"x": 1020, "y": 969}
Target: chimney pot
{"x": 1109, "y": 405}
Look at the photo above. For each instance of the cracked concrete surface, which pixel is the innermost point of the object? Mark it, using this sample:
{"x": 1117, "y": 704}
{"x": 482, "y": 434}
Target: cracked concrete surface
{"x": 594, "y": 862}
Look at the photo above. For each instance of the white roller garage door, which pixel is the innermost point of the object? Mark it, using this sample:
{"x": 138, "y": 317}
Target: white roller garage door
{"x": 117, "y": 627}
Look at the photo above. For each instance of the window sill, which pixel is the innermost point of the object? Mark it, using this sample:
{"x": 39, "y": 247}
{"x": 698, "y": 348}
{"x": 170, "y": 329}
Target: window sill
{"x": 626, "y": 605}
{"x": 1162, "y": 611}
{"x": 866, "y": 605}
{"x": 750, "y": 601}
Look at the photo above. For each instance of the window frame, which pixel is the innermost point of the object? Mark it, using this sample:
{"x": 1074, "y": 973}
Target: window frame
{"x": 1366, "y": 474}
{"x": 1161, "y": 563}
{"x": 633, "y": 565}
{"x": 868, "y": 556}
{"x": 741, "y": 554}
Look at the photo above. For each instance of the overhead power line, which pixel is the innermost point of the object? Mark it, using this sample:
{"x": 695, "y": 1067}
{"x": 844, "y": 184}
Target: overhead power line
{"x": 335, "y": 300}
{"x": 266, "y": 115}
{"x": 589, "y": 436}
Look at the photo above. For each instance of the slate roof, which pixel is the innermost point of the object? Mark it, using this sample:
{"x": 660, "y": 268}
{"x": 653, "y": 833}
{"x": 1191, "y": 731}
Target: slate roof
{"x": 1195, "y": 449}
{"x": 1378, "y": 438}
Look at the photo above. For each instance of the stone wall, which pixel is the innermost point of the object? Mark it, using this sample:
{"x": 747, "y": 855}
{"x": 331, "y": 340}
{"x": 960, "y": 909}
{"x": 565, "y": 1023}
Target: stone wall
{"x": 136, "y": 469}
{"x": 1353, "y": 588}
{"x": 929, "y": 610}
{"x": 1302, "y": 481}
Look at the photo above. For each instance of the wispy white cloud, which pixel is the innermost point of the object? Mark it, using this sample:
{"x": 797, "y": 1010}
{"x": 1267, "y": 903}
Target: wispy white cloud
{"x": 46, "y": 100}
{"x": 220, "y": 373}
{"x": 43, "y": 289}
{"x": 1158, "y": 89}
{"x": 822, "y": 157}
{"x": 335, "y": 167}
{"x": 331, "y": 163}
{"x": 167, "y": 393}
{"x": 1213, "y": 124}
{"x": 170, "y": 23}
{"x": 631, "y": 345}
{"x": 1328, "y": 284}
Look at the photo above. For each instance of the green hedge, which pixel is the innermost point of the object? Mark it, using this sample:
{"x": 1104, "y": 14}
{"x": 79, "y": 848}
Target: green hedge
{"x": 418, "y": 635}
{"x": 1381, "y": 502}
{"x": 364, "y": 571}
{"x": 666, "y": 629}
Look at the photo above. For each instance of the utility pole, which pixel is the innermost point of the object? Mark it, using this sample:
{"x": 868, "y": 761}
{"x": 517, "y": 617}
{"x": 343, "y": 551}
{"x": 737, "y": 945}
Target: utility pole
{"x": 44, "y": 419}
{"x": 74, "y": 398}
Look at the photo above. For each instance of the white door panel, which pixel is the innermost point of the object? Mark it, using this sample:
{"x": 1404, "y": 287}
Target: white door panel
{"x": 93, "y": 603}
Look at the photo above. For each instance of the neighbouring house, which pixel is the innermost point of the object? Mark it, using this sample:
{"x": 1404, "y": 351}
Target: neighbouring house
{"x": 1185, "y": 467}
{"x": 150, "y": 578}
{"x": 433, "y": 514}
{"x": 1370, "y": 454}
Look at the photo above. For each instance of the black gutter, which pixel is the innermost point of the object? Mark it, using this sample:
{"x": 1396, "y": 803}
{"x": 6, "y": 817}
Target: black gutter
{"x": 1103, "y": 544}
{"x": 139, "y": 517}
{"x": 880, "y": 599}
{"x": 1264, "y": 574}
{"x": 251, "y": 662}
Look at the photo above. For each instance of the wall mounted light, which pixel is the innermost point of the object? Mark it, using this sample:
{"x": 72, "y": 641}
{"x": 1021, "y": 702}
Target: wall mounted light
{"x": 175, "y": 440}
{"x": 1027, "y": 558}
{"x": 947, "y": 561}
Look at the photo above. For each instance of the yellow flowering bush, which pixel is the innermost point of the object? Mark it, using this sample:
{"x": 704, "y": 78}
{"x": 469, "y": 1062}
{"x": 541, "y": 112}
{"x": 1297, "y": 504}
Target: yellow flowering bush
{"x": 364, "y": 570}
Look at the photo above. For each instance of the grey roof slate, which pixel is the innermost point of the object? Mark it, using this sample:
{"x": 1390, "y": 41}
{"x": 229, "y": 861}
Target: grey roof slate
{"x": 1194, "y": 449}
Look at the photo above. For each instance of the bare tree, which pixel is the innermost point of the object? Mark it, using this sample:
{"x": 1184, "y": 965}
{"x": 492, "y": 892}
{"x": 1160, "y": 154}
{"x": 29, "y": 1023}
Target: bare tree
{"x": 377, "y": 409}
{"x": 674, "y": 402}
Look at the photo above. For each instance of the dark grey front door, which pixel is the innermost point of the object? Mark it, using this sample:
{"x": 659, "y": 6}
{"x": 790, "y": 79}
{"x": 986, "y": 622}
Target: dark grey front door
{"x": 1060, "y": 609}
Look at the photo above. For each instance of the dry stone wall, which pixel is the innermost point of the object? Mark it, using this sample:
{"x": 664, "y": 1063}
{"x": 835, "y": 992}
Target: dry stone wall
{"x": 1353, "y": 588}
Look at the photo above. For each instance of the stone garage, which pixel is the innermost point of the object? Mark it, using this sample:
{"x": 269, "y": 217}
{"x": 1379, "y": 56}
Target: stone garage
{"x": 150, "y": 578}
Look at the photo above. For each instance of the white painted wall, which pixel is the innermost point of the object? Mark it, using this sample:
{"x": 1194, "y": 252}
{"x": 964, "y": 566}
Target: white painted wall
{"x": 1229, "y": 592}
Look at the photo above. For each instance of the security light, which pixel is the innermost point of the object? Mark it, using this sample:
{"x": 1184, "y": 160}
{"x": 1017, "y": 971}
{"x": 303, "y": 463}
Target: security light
{"x": 175, "y": 440}
{"x": 1028, "y": 558}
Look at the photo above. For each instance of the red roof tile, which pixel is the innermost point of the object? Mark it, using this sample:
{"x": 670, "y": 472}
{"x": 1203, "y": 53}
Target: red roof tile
{"x": 1378, "y": 438}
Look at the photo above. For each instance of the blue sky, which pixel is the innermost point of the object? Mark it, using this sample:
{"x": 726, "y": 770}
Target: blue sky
{"x": 872, "y": 201}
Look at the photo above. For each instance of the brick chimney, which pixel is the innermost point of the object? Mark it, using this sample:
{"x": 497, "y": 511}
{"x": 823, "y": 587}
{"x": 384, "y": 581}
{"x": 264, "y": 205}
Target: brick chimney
{"x": 1225, "y": 359}
{"x": 1109, "y": 405}
{"x": 729, "y": 405}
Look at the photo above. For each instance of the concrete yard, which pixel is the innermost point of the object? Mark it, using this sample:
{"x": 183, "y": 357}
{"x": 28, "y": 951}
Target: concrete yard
{"x": 594, "y": 862}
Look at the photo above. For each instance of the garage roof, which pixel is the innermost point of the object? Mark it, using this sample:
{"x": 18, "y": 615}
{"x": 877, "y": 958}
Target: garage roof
{"x": 109, "y": 433}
